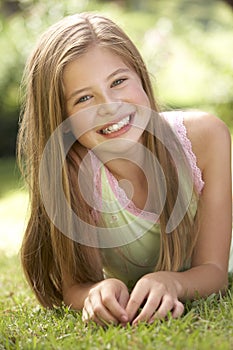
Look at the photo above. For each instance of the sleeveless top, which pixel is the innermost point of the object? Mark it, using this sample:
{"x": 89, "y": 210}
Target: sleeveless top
{"x": 133, "y": 249}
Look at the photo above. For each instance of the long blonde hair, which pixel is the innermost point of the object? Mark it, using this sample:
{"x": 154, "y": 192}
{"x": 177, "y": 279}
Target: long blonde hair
{"x": 46, "y": 253}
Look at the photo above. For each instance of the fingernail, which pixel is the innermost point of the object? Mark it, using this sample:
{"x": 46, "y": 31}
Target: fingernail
{"x": 124, "y": 318}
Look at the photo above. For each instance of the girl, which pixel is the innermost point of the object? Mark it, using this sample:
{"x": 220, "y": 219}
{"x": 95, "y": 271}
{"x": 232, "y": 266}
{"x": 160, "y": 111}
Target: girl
{"x": 133, "y": 233}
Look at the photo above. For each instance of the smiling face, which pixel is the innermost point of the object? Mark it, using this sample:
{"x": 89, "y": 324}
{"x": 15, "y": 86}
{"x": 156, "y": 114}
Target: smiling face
{"x": 103, "y": 96}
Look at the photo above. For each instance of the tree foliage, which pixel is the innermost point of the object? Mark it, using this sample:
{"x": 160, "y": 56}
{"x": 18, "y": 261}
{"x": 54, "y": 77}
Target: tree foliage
{"x": 187, "y": 45}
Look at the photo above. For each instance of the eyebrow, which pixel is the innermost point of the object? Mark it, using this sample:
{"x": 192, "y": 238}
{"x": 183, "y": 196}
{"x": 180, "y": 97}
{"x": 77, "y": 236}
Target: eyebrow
{"x": 118, "y": 71}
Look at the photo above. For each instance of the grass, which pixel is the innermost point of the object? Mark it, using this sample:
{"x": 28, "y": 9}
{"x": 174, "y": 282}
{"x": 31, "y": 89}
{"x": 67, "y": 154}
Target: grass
{"x": 206, "y": 324}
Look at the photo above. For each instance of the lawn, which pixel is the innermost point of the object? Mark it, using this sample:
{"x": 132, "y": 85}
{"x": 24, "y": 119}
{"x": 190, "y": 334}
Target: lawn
{"x": 206, "y": 324}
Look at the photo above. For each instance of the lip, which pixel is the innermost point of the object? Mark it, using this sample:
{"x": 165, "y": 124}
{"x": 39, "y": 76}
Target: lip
{"x": 131, "y": 115}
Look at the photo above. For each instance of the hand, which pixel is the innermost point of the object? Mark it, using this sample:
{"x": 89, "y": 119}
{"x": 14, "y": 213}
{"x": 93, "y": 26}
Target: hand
{"x": 106, "y": 303}
{"x": 159, "y": 292}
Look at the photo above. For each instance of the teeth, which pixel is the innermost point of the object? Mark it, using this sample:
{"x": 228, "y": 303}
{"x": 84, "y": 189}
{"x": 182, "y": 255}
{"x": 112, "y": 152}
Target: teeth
{"x": 117, "y": 126}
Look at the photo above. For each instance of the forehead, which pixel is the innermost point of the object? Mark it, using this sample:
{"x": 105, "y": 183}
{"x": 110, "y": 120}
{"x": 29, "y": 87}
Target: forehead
{"x": 96, "y": 57}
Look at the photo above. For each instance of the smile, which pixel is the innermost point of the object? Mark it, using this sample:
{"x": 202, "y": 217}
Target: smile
{"x": 117, "y": 126}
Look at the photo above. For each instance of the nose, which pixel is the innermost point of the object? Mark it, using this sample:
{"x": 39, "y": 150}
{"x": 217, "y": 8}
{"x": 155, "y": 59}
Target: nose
{"x": 108, "y": 108}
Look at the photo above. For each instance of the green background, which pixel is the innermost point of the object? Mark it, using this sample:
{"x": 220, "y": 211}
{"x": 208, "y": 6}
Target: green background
{"x": 187, "y": 45}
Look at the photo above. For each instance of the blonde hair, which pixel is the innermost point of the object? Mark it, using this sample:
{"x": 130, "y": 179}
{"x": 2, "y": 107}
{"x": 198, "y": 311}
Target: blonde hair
{"x": 46, "y": 253}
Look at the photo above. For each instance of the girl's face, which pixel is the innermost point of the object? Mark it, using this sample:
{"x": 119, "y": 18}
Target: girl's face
{"x": 104, "y": 97}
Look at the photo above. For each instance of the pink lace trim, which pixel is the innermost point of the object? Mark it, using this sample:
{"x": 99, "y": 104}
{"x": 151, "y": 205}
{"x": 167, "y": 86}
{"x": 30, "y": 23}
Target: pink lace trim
{"x": 126, "y": 202}
{"x": 177, "y": 120}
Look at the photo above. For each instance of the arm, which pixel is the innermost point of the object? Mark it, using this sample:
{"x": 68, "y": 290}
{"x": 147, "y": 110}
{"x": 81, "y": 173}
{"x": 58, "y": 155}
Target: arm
{"x": 212, "y": 146}
{"x": 208, "y": 273}
{"x": 211, "y": 253}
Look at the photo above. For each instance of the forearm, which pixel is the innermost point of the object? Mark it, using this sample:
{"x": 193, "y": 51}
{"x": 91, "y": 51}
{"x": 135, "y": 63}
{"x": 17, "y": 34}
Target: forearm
{"x": 75, "y": 295}
{"x": 200, "y": 281}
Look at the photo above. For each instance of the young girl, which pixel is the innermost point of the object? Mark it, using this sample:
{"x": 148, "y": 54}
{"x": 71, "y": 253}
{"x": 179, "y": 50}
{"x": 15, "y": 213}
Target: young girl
{"x": 127, "y": 238}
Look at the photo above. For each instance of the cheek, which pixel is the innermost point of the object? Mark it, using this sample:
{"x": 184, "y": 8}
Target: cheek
{"x": 140, "y": 96}
{"x": 81, "y": 123}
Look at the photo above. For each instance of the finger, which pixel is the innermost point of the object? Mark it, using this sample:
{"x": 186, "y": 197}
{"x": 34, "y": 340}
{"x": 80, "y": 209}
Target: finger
{"x": 115, "y": 307}
{"x": 84, "y": 315}
{"x": 136, "y": 299}
{"x": 123, "y": 299}
{"x": 167, "y": 305}
{"x": 97, "y": 311}
{"x": 88, "y": 315}
{"x": 178, "y": 309}
{"x": 148, "y": 310}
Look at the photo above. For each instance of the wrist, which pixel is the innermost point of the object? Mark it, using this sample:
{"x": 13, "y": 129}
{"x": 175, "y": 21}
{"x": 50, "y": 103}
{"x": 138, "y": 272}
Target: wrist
{"x": 76, "y": 295}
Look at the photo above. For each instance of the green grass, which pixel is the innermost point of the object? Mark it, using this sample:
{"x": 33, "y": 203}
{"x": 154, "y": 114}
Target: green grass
{"x": 206, "y": 324}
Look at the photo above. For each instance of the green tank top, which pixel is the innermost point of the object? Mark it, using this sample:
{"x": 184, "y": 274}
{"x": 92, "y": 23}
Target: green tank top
{"x": 128, "y": 262}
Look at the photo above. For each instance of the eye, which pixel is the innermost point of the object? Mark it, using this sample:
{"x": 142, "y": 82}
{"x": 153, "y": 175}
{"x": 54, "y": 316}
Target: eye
{"x": 83, "y": 99}
{"x": 117, "y": 82}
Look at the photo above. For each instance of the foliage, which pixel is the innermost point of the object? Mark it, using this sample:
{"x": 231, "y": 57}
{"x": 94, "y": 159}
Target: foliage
{"x": 188, "y": 46}
{"x": 9, "y": 177}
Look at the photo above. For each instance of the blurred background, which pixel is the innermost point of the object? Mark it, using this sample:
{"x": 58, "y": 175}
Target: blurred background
{"x": 187, "y": 46}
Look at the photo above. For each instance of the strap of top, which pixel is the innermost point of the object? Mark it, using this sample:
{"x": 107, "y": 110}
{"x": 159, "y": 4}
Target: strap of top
{"x": 176, "y": 120}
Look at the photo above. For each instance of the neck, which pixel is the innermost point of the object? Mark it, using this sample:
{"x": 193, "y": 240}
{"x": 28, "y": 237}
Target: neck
{"x": 124, "y": 161}
{"x": 126, "y": 169}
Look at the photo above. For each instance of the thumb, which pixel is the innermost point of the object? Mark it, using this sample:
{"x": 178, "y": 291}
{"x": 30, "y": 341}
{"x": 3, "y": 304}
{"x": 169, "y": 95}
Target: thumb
{"x": 123, "y": 298}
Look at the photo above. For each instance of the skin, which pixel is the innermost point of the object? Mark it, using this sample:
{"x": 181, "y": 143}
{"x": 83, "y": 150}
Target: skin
{"x": 160, "y": 292}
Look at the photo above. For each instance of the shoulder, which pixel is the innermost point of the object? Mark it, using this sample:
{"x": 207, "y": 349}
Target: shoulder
{"x": 202, "y": 124}
{"x": 208, "y": 134}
